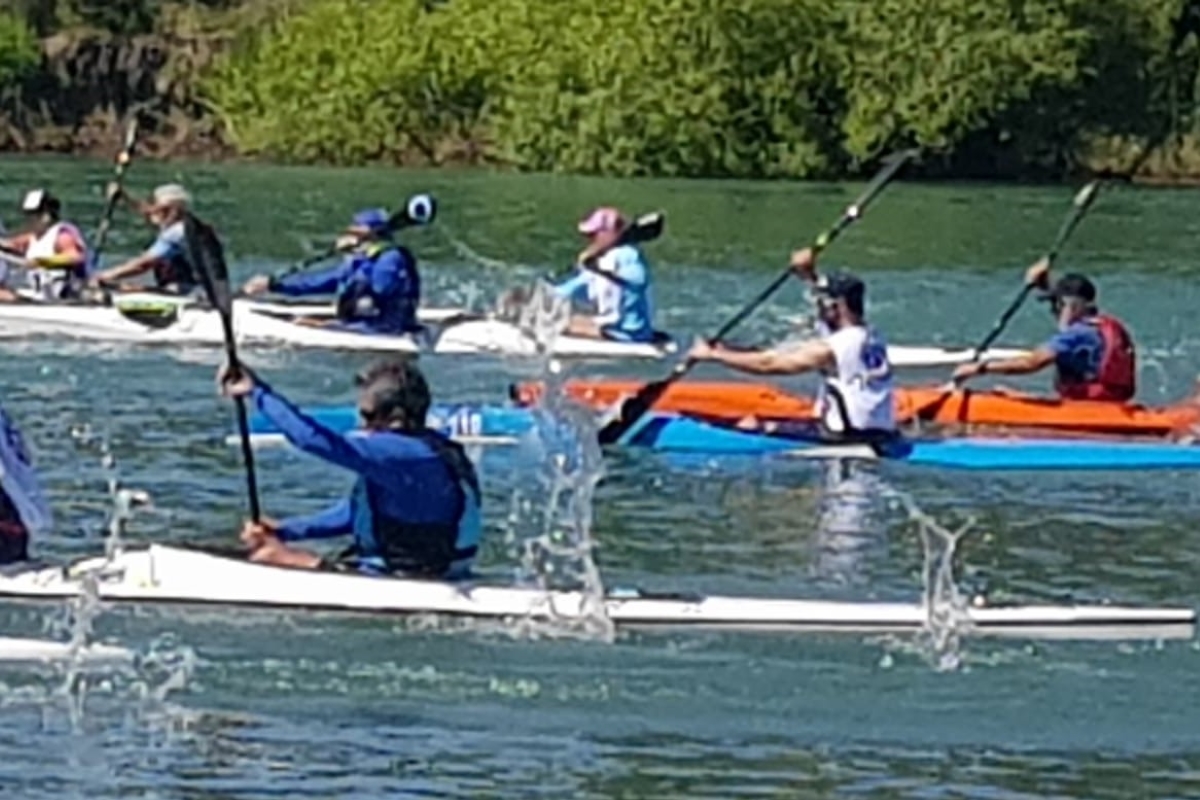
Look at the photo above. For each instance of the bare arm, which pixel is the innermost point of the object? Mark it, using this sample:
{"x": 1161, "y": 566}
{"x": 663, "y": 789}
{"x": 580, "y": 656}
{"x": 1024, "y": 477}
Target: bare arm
{"x": 134, "y": 266}
{"x": 1033, "y": 361}
{"x": 806, "y": 358}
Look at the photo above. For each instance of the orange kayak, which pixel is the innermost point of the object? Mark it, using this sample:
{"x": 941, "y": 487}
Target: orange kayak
{"x": 925, "y": 404}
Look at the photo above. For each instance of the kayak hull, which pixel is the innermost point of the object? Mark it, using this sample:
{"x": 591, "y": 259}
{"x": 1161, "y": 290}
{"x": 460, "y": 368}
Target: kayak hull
{"x": 173, "y": 575}
{"x": 675, "y": 433}
{"x": 448, "y": 332}
{"x": 931, "y": 405}
{"x": 177, "y": 321}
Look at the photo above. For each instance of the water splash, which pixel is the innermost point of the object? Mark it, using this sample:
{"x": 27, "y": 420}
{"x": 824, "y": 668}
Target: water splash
{"x": 550, "y": 519}
{"x": 947, "y": 618}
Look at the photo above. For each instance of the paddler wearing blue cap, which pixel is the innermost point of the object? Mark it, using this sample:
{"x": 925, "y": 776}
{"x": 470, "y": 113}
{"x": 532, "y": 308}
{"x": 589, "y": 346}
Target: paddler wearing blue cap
{"x": 856, "y": 401}
{"x": 617, "y": 283}
{"x": 54, "y": 251}
{"x": 23, "y": 506}
{"x": 377, "y": 285}
{"x": 166, "y": 257}
{"x": 415, "y": 505}
{"x": 1092, "y": 353}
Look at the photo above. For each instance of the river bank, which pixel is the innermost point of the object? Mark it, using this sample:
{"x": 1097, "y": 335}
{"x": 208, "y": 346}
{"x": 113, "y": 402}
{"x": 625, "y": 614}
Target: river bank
{"x": 1105, "y": 88}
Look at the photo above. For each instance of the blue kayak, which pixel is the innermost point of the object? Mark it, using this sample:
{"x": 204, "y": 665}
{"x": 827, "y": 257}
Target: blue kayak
{"x": 669, "y": 432}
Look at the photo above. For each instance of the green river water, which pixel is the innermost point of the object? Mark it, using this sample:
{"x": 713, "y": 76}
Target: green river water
{"x": 238, "y": 704}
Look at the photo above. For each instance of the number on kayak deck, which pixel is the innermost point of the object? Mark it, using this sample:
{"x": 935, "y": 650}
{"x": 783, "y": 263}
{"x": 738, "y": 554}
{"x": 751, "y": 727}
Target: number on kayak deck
{"x": 460, "y": 422}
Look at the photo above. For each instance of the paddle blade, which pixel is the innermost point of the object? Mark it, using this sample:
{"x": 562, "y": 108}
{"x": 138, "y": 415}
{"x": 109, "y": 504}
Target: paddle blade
{"x": 207, "y": 256}
{"x": 635, "y": 408}
{"x": 646, "y": 228}
{"x": 421, "y": 209}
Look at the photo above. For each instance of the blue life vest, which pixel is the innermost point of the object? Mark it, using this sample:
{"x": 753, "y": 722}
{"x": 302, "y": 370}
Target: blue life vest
{"x": 420, "y": 549}
{"x": 357, "y": 300}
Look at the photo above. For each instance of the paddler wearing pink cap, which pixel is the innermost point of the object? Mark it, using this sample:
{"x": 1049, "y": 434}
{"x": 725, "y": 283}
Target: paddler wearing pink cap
{"x": 616, "y": 283}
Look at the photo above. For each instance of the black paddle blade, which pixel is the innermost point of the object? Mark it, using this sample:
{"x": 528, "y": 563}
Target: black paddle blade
{"x": 636, "y": 407}
{"x": 646, "y": 228}
{"x": 207, "y": 257}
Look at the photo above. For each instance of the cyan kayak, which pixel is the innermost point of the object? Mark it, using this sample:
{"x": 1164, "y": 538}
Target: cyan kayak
{"x": 668, "y": 432}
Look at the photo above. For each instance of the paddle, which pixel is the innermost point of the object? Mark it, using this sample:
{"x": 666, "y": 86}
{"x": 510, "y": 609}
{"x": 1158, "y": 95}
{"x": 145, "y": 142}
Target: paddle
{"x": 207, "y": 255}
{"x": 636, "y": 406}
{"x": 646, "y": 228}
{"x": 421, "y": 209}
{"x": 1079, "y": 207}
{"x": 124, "y": 158}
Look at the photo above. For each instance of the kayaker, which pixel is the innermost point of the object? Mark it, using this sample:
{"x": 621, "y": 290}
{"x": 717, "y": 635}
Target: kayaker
{"x": 618, "y": 283}
{"x": 377, "y": 285}
{"x": 166, "y": 258}
{"x": 415, "y": 505}
{"x": 1092, "y": 353}
{"x": 856, "y": 399}
{"x": 54, "y": 250}
{"x": 23, "y": 507}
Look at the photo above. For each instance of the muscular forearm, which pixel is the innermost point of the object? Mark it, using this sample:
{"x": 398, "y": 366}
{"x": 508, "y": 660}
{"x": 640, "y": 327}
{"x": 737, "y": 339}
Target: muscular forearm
{"x": 757, "y": 362}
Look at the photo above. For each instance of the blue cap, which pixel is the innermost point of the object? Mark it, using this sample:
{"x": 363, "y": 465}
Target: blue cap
{"x": 373, "y": 219}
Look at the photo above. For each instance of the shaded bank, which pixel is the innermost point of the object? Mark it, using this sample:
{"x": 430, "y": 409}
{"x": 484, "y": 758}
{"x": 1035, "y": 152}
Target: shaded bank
{"x": 1036, "y": 89}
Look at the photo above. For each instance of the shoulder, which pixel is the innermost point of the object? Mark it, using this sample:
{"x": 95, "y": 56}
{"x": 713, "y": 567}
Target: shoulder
{"x": 398, "y": 446}
{"x": 627, "y": 260}
{"x": 1077, "y": 334}
{"x": 172, "y": 234}
{"x": 851, "y": 336}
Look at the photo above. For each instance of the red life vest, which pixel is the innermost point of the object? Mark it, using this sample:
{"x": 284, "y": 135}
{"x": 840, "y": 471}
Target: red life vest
{"x": 1116, "y": 377}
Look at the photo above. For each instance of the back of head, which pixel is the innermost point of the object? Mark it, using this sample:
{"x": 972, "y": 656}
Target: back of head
{"x": 393, "y": 395}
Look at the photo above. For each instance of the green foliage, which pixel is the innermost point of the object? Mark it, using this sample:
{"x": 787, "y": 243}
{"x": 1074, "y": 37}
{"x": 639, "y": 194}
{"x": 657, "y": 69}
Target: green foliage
{"x": 19, "y": 51}
{"x": 756, "y": 88}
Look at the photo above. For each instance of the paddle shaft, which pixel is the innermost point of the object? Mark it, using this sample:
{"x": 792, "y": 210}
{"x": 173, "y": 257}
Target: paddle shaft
{"x": 396, "y": 220}
{"x": 1079, "y": 207}
{"x": 206, "y": 255}
{"x": 124, "y": 158}
{"x": 1082, "y": 202}
{"x": 637, "y": 406}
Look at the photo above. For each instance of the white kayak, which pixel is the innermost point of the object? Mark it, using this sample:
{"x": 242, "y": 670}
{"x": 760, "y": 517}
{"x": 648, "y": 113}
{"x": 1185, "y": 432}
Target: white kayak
{"x": 158, "y": 320}
{"x": 174, "y": 575}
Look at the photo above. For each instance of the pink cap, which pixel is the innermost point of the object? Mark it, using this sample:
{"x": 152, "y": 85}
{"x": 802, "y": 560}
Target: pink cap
{"x": 601, "y": 220}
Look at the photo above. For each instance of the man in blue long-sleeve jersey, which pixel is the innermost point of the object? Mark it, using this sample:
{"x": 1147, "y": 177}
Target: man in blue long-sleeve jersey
{"x": 377, "y": 285}
{"x": 415, "y": 506}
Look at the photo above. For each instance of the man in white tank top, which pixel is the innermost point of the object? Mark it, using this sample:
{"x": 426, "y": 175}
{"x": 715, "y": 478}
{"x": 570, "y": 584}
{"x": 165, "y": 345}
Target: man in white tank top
{"x": 55, "y": 251}
{"x": 857, "y": 396}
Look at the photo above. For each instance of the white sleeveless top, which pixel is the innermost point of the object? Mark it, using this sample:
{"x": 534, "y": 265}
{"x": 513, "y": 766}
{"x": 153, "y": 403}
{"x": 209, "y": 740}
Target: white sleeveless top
{"x": 862, "y": 379}
{"x": 50, "y": 283}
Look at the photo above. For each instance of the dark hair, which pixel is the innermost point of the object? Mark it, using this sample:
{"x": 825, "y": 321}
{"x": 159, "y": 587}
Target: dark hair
{"x": 397, "y": 395}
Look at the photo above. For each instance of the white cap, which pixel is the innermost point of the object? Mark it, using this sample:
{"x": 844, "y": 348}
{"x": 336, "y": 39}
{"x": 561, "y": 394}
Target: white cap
{"x": 34, "y": 201}
{"x": 171, "y": 194}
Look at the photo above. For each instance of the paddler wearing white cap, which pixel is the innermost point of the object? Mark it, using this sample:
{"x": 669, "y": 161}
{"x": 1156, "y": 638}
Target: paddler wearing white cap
{"x": 54, "y": 251}
{"x": 166, "y": 257}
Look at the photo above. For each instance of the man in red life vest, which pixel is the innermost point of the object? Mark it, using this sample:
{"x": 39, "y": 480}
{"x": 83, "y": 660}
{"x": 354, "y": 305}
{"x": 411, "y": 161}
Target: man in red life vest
{"x": 1092, "y": 353}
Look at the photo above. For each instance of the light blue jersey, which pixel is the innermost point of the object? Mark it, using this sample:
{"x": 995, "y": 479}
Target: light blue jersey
{"x": 621, "y": 294}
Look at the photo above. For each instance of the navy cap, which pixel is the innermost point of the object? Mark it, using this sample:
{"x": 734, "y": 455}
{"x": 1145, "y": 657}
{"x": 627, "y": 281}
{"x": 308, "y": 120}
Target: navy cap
{"x": 1072, "y": 285}
{"x": 843, "y": 285}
